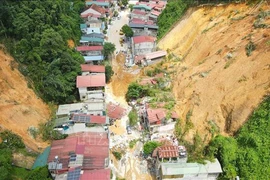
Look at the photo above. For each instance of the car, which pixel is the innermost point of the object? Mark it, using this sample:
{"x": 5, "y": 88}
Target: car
{"x": 128, "y": 129}
{"x": 118, "y": 17}
{"x": 121, "y": 33}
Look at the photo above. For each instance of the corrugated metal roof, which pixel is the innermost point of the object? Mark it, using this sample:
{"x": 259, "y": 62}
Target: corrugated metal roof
{"x": 93, "y": 58}
{"x": 98, "y": 119}
{"x": 142, "y": 6}
{"x": 142, "y": 39}
{"x": 93, "y": 146}
{"x": 133, "y": 25}
{"x": 92, "y": 39}
{"x": 89, "y": 48}
{"x": 168, "y": 151}
{"x": 92, "y": 68}
{"x": 97, "y": 3}
{"x": 103, "y": 174}
{"x": 97, "y": 80}
{"x": 137, "y": 11}
{"x": 156, "y": 54}
{"x": 115, "y": 111}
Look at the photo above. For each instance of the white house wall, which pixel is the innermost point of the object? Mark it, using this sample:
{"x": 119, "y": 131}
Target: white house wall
{"x": 143, "y": 48}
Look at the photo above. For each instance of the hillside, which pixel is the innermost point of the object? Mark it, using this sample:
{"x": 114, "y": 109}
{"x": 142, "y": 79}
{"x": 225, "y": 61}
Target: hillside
{"x": 19, "y": 106}
{"x": 216, "y": 80}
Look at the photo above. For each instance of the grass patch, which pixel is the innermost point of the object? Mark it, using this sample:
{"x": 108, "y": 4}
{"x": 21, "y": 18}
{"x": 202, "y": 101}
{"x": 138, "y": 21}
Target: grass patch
{"x": 228, "y": 63}
{"x": 250, "y": 47}
{"x": 132, "y": 143}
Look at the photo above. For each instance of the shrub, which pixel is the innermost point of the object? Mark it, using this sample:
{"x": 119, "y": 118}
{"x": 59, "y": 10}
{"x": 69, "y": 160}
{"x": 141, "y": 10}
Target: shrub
{"x": 150, "y": 146}
{"x": 136, "y": 91}
{"x": 133, "y": 117}
{"x": 132, "y": 143}
{"x": 117, "y": 155}
{"x": 250, "y": 47}
{"x": 11, "y": 141}
{"x": 108, "y": 73}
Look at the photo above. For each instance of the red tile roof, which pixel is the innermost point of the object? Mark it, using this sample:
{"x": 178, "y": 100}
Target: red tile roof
{"x": 115, "y": 111}
{"x": 98, "y": 8}
{"x": 93, "y": 146}
{"x": 142, "y": 39}
{"x": 166, "y": 152}
{"x": 156, "y": 115}
{"x": 103, "y": 174}
{"x": 156, "y": 13}
{"x": 138, "y": 21}
{"x": 97, "y": 80}
{"x": 137, "y": 11}
{"x": 89, "y": 48}
{"x": 92, "y": 68}
{"x": 90, "y": 15}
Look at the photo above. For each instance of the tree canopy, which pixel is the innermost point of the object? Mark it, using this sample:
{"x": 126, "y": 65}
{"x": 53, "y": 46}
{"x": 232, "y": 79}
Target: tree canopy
{"x": 40, "y": 31}
{"x": 108, "y": 49}
{"x": 108, "y": 73}
{"x": 136, "y": 91}
{"x": 247, "y": 155}
{"x": 127, "y": 31}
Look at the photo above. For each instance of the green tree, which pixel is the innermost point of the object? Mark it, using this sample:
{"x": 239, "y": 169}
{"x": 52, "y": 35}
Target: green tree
{"x": 108, "y": 73}
{"x": 136, "y": 91}
{"x": 125, "y": 2}
{"x": 5, "y": 163}
{"x": 108, "y": 49}
{"x": 150, "y": 146}
{"x": 127, "y": 31}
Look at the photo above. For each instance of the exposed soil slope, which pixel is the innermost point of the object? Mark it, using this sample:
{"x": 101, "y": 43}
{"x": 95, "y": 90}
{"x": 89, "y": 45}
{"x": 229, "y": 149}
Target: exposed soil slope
{"x": 19, "y": 106}
{"x": 217, "y": 81}
{"x": 121, "y": 78}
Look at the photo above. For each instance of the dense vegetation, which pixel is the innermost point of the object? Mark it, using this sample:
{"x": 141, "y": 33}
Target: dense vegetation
{"x": 150, "y": 146}
{"x": 37, "y": 34}
{"x": 247, "y": 155}
{"x": 133, "y": 117}
{"x": 12, "y": 143}
{"x": 175, "y": 9}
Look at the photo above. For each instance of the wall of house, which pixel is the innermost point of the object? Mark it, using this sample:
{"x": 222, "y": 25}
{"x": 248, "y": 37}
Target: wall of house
{"x": 145, "y": 47}
{"x": 83, "y": 93}
{"x": 95, "y": 24}
{"x": 93, "y": 30}
{"x": 144, "y": 32}
{"x": 92, "y": 53}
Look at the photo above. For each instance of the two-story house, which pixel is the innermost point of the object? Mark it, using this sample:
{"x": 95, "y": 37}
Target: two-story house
{"x": 171, "y": 164}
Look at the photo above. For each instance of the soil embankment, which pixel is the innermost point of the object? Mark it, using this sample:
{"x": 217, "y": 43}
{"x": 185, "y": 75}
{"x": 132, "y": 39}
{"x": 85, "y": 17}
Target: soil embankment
{"x": 19, "y": 106}
{"x": 216, "y": 80}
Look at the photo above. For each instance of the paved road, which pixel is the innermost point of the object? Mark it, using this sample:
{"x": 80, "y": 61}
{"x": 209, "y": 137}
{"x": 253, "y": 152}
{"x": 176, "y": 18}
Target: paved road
{"x": 114, "y": 36}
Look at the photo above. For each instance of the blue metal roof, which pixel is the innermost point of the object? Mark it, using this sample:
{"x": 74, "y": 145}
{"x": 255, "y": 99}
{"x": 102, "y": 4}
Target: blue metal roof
{"x": 142, "y": 6}
{"x": 132, "y": 25}
{"x": 92, "y": 39}
{"x": 97, "y": 3}
{"x": 42, "y": 158}
{"x": 83, "y": 26}
{"x": 93, "y": 58}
